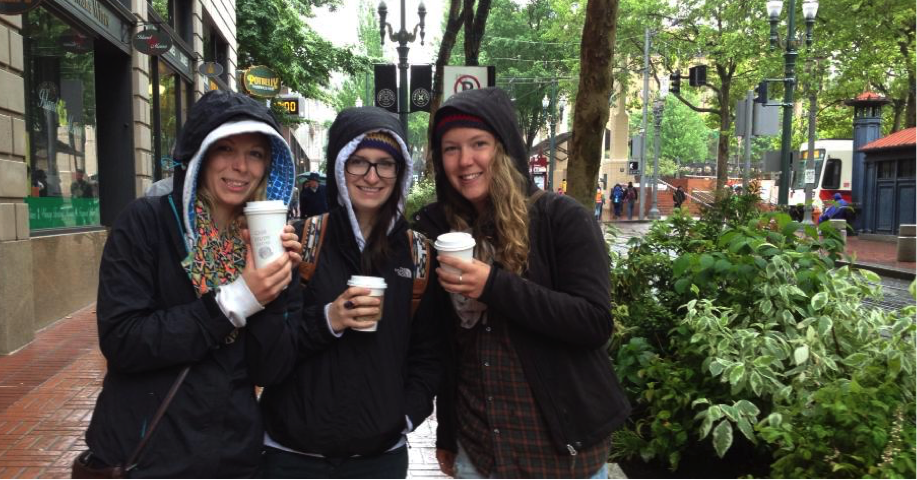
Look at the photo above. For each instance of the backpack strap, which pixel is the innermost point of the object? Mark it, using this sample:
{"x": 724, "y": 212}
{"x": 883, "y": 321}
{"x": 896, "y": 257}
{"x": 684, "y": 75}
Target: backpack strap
{"x": 313, "y": 234}
{"x": 420, "y": 254}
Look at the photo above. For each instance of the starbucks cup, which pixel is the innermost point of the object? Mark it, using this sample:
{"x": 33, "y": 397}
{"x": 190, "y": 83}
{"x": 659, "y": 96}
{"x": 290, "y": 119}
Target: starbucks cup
{"x": 266, "y": 220}
{"x": 376, "y": 286}
{"x": 455, "y": 244}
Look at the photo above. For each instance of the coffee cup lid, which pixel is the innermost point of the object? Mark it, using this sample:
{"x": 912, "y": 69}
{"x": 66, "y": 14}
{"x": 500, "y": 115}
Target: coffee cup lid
{"x": 265, "y": 206}
{"x": 366, "y": 282}
{"x": 453, "y": 241}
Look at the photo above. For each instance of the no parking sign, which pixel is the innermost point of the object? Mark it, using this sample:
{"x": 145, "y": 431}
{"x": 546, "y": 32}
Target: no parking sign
{"x": 460, "y": 78}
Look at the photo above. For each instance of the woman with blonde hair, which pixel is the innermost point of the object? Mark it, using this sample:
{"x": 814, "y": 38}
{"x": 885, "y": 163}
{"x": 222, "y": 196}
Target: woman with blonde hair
{"x": 529, "y": 391}
{"x": 177, "y": 287}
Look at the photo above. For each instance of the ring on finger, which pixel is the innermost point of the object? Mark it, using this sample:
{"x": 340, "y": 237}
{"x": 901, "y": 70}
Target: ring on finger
{"x": 349, "y": 305}
{"x": 460, "y": 279}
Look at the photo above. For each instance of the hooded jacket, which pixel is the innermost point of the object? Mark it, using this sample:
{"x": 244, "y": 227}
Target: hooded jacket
{"x": 152, "y": 323}
{"x": 557, "y": 314}
{"x": 346, "y": 395}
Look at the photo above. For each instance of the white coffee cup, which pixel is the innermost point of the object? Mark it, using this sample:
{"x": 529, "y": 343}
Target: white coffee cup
{"x": 266, "y": 220}
{"x": 376, "y": 286}
{"x": 455, "y": 244}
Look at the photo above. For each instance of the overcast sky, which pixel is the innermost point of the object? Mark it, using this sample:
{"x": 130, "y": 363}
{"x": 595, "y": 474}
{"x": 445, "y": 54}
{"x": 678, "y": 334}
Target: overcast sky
{"x": 340, "y": 26}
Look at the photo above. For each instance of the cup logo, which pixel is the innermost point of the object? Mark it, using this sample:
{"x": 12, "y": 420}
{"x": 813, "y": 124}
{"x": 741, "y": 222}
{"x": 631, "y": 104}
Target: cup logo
{"x": 264, "y": 252}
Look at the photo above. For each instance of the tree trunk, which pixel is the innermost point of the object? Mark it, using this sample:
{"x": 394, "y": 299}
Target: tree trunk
{"x": 453, "y": 24}
{"x": 475, "y": 25}
{"x": 905, "y": 47}
{"x": 898, "y": 107}
{"x": 591, "y": 108}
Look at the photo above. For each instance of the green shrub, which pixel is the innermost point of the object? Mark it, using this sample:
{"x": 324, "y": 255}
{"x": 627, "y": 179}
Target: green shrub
{"x": 422, "y": 193}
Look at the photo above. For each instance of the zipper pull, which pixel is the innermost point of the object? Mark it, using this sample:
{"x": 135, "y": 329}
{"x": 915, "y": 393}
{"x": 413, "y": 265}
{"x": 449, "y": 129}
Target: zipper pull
{"x": 571, "y": 450}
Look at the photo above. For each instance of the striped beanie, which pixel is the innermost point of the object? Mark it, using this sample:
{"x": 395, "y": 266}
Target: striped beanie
{"x": 458, "y": 119}
{"x": 382, "y": 141}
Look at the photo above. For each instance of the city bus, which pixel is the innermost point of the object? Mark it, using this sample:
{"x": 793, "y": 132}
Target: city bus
{"x": 832, "y": 173}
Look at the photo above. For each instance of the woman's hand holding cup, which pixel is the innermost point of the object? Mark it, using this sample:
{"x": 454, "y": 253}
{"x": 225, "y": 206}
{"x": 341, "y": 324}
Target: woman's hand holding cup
{"x": 267, "y": 282}
{"x": 354, "y": 308}
{"x": 291, "y": 244}
{"x": 470, "y": 279}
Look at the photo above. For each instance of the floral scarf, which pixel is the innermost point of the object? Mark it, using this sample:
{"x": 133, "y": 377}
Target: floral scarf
{"x": 218, "y": 258}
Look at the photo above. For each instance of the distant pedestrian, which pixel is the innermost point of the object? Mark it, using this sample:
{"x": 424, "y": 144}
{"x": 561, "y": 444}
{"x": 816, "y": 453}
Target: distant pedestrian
{"x": 560, "y": 191}
{"x": 313, "y": 200}
{"x": 599, "y": 203}
{"x": 617, "y": 199}
{"x": 838, "y": 209}
{"x": 530, "y": 392}
{"x": 678, "y": 196}
{"x": 80, "y": 188}
{"x": 630, "y": 194}
{"x": 293, "y": 210}
{"x": 177, "y": 286}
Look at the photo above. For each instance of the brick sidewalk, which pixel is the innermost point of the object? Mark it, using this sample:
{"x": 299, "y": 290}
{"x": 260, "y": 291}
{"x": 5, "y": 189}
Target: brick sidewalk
{"x": 877, "y": 252}
{"x": 49, "y": 388}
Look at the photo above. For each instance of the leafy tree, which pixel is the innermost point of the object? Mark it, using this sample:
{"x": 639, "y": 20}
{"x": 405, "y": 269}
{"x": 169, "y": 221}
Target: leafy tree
{"x": 685, "y": 135}
{"x": 273, "y": 33}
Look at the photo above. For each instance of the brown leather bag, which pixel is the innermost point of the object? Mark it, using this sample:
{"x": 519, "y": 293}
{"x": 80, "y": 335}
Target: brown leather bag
{"x": 87, "y": 466}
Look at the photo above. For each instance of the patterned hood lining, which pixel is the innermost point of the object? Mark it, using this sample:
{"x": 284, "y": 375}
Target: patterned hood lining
{"x": 280, "y": 179}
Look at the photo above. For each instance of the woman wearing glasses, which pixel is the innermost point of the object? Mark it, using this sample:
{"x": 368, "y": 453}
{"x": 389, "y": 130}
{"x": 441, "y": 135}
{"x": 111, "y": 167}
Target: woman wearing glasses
{"x": 339, "y": 400}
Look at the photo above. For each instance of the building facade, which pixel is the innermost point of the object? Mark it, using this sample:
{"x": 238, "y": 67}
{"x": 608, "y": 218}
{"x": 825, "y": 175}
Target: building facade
{"x": 87, "y": 123}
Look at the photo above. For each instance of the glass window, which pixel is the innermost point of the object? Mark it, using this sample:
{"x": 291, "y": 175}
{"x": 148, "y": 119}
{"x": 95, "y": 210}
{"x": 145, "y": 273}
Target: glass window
{"x": 832, "y": 179}
{"x": 168, "y": 110}
{"x": 906, "y": 168}
{"x": 61, "y": 123}
{"x": 216, "y": 50}
{"x": 885, "y": 169}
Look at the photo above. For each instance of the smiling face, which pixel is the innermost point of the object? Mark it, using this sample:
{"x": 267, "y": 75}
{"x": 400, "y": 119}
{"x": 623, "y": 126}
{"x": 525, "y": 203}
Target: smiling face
{"x": 467, "y": 157}
{"x": 233, "y": 170}
{"x": 368, "y": 191}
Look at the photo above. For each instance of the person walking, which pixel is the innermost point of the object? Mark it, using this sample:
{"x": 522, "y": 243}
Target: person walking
{"x": 339, "y": 400}
{"x": 313, "y": 200}
{"x": 678, "y": 196}
{"x": 177, "y": 286}
{"x": 529, "y": 389}
{"x": 617, "y": 199}
{"x": 599, "y": 203}
{"x": 631, "y": 196}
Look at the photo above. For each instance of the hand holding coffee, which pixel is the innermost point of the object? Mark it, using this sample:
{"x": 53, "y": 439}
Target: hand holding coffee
{"x": 455, "y": 244}
{"x": 376, "y": 285}
{"x": 266, "y": 220}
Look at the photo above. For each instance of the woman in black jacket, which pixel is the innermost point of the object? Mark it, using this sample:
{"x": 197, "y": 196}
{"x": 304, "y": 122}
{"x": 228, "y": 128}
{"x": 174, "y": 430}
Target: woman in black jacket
{"x": 338, "y": 402}
{"x": 530, "y": 391}
{"x": 176, "y": 285}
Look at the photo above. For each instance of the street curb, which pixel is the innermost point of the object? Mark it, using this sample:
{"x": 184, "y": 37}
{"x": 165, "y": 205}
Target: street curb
{"x": 882, "y": 270}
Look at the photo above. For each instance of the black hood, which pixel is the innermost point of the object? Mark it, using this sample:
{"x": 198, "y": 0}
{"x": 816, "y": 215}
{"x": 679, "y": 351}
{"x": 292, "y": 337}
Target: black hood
{"x": 494, "y": 107}
{"x": 349, "y": 124}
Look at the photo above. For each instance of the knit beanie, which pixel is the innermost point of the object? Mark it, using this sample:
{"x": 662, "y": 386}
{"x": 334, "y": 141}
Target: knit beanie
{"x": 461, "y": 120}
{"x": 382, "y": 141}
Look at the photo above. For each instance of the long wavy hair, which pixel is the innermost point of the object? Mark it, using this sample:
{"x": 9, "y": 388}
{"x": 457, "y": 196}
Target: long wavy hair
{"x": 377, "y": 246}
{"x": 504, "y": 222}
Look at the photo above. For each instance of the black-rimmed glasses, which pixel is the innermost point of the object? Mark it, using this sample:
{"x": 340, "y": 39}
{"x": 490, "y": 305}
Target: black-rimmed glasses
{"x": 360, "y": 167}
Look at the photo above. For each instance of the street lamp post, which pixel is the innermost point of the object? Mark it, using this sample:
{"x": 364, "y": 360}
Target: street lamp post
{"x": 658, "y": 107}
{"x": 810, "y": 158}
{"x": 809, "y": 8}
{"x": 552, "y": 104}
{"x": 403, "y": 37}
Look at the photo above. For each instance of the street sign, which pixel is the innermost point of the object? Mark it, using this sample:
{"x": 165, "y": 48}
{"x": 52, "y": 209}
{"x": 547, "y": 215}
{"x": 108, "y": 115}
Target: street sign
{"x": 152, "y": 42}
{"x": 810, "y": 175}
{"x": 460, "y": 78}
{"x": 636, "y": 147}
{"x": 16, "y": 7}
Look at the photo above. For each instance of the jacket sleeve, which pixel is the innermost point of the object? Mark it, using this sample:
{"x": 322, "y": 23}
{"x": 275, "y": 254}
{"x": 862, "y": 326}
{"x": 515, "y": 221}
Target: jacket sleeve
{"x": 136, "y": 332}
{"x": 425, "y": 357}
{"x": 275, "y": 343}
{"x": 576, "y": 310}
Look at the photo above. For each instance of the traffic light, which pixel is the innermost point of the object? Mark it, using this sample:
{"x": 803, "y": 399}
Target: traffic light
{"x": 762, "y": 92}
{"x": 675, "y": 79}
{"x": 697, "y": 76}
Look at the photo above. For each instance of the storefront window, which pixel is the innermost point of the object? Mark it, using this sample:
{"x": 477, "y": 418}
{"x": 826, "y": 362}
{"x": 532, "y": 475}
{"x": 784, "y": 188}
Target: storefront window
{"x": 169, "y": 110}
{"x": 61, "y": 123}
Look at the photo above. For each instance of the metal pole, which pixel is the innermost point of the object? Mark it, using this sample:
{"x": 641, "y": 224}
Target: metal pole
{"x": 789, "y": 84}
{"x": 749, "y": 118}
{"x": 657, "y": 113}
{"x": 549, "y": 183}
{"x": 810, "y": 162}
{"x": 403, "y": 106}
{"x": 646, "y": 101}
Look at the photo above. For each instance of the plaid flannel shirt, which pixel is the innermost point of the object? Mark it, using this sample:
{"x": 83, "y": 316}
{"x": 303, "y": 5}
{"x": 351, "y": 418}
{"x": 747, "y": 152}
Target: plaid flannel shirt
{"x": 499, "y": 423}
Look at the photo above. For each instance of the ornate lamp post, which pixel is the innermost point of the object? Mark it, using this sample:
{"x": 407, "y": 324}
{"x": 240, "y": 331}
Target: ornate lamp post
{"x": 403, "y": 37}
{"x": 809, "y": 9}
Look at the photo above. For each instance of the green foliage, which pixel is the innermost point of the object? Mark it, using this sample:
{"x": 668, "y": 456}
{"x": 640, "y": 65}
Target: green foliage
{"x": 273, "y": 33}
{"x": 685, "y": 138}
{"x": 422, "y": 193}
{"x": 739, "y": 334}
